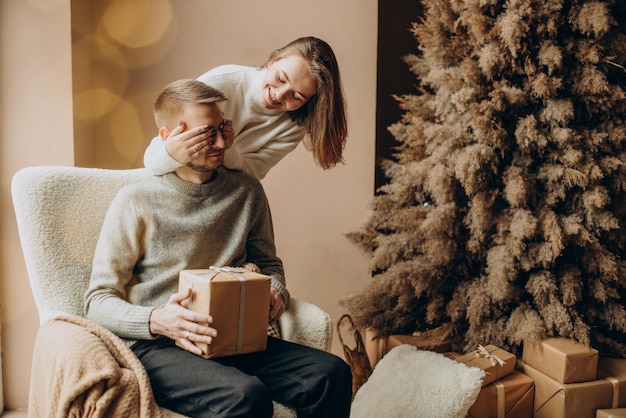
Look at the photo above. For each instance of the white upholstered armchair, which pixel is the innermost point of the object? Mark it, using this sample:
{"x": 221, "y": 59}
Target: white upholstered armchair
{"x": 59, "y": 213}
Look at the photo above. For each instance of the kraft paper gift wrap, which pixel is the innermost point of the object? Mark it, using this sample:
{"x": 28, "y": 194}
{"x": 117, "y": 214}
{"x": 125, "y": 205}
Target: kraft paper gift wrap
{"x": 496, "y": 362}
{"x": 614, "y": 370}
{"x": 554, "y": 399}
{"x": 433, "y": 340}
{"x": 239, "y": 302}
{"x": 509, "y": 397}
{"x": 611, "y": 413}
{"x": 563, "y": 359}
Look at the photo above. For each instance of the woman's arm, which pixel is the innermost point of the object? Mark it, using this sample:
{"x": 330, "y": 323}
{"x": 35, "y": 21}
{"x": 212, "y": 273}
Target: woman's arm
{"x": 158, "y": 160}
{"x": 252, "y": 153}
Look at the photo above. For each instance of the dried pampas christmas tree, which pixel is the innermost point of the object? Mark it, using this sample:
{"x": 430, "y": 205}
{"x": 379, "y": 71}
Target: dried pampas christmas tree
{"x": 504, "y": 215}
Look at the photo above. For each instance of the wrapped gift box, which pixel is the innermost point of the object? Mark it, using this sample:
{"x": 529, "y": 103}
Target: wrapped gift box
{"x": 433, "y": 340}
{"x": 614, "y": 370}
{"x": 554, "y": 399}
{"x": 510, "y": 397}
{"x": 563, "y": 359}
{"x": 496, "y": 362}
{"x": 238, "y": 300}
{"x": 611, "y": 413}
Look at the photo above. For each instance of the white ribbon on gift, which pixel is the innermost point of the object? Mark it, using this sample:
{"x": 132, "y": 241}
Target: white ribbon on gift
{"x": 500, "y": 399}
{"x": 482, "y": 352}
{"x": 235, "y": 272}
{"x": 615, "y": 384}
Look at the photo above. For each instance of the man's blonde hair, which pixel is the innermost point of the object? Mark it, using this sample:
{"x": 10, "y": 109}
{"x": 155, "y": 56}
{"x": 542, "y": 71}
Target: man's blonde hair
{"x": 169, "y": 104}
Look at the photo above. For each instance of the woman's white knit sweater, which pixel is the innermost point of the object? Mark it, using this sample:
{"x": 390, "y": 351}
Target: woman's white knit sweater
{"x": 262, "y": 136}
{"x": 159, "y": 226}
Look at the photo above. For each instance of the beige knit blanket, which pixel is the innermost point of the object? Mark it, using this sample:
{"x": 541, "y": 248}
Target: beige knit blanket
{"x": 81, "y": 369}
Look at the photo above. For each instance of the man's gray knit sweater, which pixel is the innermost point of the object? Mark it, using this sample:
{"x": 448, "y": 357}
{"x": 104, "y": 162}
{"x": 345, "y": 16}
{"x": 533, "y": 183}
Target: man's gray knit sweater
{"x": 159, "y": 226}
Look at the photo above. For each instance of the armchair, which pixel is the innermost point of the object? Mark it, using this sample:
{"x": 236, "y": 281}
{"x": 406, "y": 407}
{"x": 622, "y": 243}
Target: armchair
{"x": 59, "y": 213}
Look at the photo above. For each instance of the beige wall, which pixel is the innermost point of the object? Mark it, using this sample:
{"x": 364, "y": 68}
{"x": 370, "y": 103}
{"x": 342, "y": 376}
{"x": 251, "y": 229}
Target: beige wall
{"x": 36, "y": 129}
{"x": 123, "y": 53}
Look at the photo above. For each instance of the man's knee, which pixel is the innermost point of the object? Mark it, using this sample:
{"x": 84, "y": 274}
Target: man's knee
{"x": 252, "y": 399}
{"x": 337, "y": 370}
{"x": 331, "y": 391}
{"x": 249, "y": 398}
{"x": 332, "y": 378}
{"x": 343, "y": 371}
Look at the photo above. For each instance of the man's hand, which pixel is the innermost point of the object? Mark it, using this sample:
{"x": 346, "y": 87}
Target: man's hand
{"x": 181, "y": 324}
{"x": 277, "y": 304}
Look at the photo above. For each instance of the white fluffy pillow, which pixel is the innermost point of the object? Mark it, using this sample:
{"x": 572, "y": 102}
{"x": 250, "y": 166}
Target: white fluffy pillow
{"x": 408, "y": 382}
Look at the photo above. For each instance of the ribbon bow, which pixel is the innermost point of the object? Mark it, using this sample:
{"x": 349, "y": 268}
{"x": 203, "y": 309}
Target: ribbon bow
{"x": 493, "y": 359}
{"x": 237, "y": 272}
{"x": 227, "y": 269}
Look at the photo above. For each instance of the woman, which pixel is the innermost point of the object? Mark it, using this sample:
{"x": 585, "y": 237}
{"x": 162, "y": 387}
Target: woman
{"x": 296, "y": 94}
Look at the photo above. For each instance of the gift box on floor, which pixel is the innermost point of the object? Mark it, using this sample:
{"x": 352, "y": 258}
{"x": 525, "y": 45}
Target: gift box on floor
{"x": 611, "y": 413}
{"x": 510, "y": 397}
{"x": 239, "y": 302}
{"x": 496, "y": 362}
{"x": 563, "y": 359}
{"x": 554, "y": 399}
{"x": 433, "y": 340}
{"x": 614, "y": 370}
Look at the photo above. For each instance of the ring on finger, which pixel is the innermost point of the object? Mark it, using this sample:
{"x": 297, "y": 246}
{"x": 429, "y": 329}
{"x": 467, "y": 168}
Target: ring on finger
{"x": 187, "y": 335}
{"x": 195, "y": 148}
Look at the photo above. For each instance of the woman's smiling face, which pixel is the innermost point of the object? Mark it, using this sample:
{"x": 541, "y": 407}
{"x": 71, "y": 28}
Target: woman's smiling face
{"x": 288, "y": 84}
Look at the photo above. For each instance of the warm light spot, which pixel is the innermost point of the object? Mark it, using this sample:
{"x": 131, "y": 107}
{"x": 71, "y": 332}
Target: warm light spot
{"x": 137, "y": 23}
{"x": 92, "y": 50}
{"x": 106, "y": 51}
{"x": 125, "y": 130}
{"x": 155, "y": 53}
{"x": 94, "y": 103}
{"x": 98, "y": 66}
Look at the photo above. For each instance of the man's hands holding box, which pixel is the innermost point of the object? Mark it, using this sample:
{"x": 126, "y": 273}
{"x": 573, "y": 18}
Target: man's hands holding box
{"x": 236, "y": 302}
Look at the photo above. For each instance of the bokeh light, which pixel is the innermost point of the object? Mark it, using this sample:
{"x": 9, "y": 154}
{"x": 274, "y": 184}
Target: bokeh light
{"x": 94, "y": 103}
{"x": 126, "y": 133}
{"x": 137, "y": 23}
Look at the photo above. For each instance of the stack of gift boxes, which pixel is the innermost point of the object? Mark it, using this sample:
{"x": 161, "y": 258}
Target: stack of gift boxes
{"x": 506, "y": 392}
{"x": 572, "y": 381}
{"x": 555, "y": 378}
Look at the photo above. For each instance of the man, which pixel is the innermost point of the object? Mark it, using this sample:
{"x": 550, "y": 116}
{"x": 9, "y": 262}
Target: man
{"x": 202, "y": 215}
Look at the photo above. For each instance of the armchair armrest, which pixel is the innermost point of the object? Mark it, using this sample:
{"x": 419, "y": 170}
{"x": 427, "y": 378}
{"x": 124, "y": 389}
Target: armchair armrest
{"x": 307, "y": 324}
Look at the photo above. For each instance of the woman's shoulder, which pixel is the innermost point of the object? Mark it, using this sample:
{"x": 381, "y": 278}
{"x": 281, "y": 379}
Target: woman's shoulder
{"x": 228, "y": 70}
{"x": 232, "y": 79}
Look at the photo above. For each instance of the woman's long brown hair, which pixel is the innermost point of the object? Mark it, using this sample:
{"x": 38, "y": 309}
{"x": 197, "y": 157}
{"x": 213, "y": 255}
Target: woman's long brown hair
{"x": 324, "y": 114}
